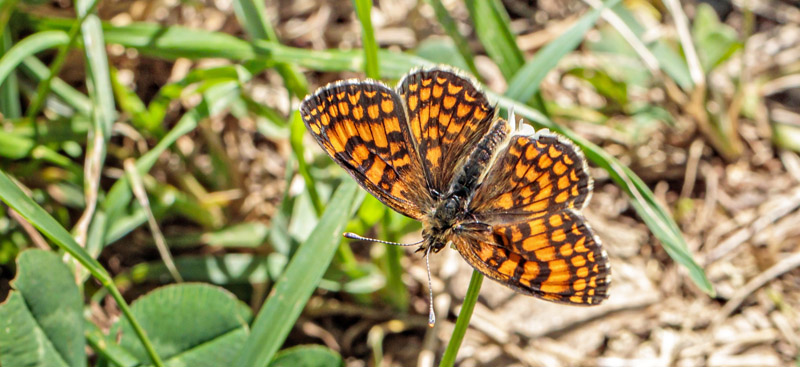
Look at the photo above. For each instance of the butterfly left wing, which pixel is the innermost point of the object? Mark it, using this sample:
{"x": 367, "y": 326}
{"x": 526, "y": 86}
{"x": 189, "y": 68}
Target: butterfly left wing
{"x": 537, "y": 242}
{"x": 362, "y": 126}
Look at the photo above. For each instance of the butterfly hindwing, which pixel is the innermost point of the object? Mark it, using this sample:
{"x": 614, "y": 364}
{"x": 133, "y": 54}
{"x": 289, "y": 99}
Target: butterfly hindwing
{"x": 362, "y": 126}
{"x": 556, "y": 258}
{"x": 447, "y": 116}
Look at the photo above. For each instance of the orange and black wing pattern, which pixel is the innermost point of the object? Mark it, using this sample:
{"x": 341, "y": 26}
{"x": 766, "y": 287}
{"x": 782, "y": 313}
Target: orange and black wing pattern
{"x": 556, "y": 258}
{"x": 362, "y": 126}
{"x": 539, "y": 243}
{"x": 448, "y": 116}
{"x": 532, "y": 176}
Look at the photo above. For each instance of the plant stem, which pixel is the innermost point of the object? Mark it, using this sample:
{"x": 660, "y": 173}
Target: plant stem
{"x": 449, "y": 357}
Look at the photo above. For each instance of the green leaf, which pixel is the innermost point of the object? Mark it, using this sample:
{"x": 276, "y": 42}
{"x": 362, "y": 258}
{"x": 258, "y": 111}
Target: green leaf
{"x": 253, "y": 15}
{"x": 441, "y": 51}
{"x": 190, "y": 324}
{"x": 307, "y": 356}
{"x": 41, "y": 322}
{"x": 10, "y": 92}
{"x": 293, "y": 289}
{"x": 33, "y": 213}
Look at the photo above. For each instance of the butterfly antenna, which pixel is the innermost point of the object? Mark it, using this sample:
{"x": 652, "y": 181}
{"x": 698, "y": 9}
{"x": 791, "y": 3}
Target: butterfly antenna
{"x": 431, "y": 315}
{"x": 354, "y": 236}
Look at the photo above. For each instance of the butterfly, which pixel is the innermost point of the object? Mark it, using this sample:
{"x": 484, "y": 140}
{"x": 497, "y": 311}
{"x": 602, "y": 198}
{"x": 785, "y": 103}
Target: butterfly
{"x": 434, "y": 150}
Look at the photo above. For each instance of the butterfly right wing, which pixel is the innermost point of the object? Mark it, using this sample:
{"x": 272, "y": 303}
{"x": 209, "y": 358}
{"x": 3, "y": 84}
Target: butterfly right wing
{"x": 362, "y": 126}
{"x": 533, "y": 236}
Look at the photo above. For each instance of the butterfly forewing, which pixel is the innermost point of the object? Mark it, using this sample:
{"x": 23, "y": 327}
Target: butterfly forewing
{"x": 362, "y": 126}
{"x": 448, "y": 116}
{"x": 533, "y": 175}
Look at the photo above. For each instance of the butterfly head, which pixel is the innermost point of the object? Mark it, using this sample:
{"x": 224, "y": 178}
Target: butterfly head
{"x": 441, "y": 223}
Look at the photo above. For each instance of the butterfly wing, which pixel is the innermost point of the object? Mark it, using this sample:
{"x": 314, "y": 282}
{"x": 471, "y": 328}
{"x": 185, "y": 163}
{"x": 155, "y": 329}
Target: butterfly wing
{"x": 363, "y": 127}
{"x": 538, "y": 242}
{"x": 448, "y": 116}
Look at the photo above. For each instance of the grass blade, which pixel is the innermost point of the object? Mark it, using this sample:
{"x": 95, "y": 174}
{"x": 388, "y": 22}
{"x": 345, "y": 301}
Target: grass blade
{"x": 29, "y": 46}
{"x": 491, "y": 26}
{"x": 462, "y": 323}
{"x": 298, "y": 282}
{"x": 9, "y": 89}
{"x": 363, "y": 8}
{"x": 38, "y": 71}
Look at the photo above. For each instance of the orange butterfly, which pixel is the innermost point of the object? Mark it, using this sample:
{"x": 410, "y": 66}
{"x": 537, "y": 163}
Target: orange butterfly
{"x": 434, "y": 150}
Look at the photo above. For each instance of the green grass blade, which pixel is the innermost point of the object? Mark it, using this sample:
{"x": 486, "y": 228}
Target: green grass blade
{"x": 30, "y": 46}
{"x": 300, "y": 279}
{"x": 462, "y": 323}
{"x": 99, "y": 80}
{"x": 525, "y": 83}
{"x": 492, "y": 27}
{"x": 642, "y": 199}
{"x": 450, "y": 27}
{"x": 38, "y": 217}
{"x": 363, "y": 8}
{"x": 10, "y": 105}
{"x": 297, "y": 131}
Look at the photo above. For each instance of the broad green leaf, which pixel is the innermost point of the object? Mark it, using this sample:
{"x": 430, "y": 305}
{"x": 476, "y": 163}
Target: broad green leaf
{"x": 41, "y": 322}
{"x": 307, "y": 356}
{"x": 33, "y": 213}
{"x": 293, "y": 289}
{"x": 190, "y": 325}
